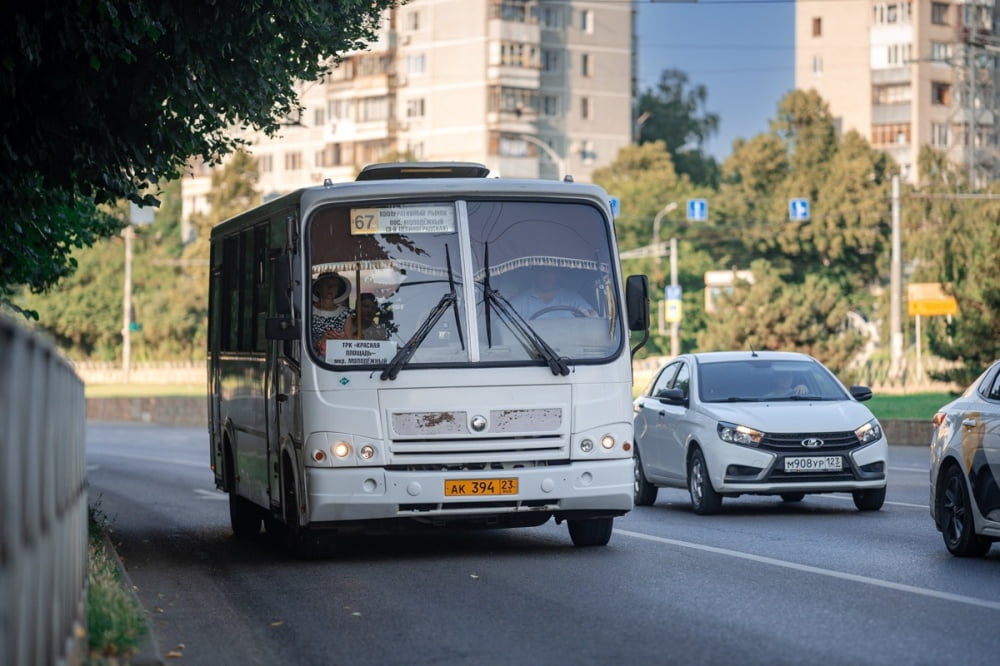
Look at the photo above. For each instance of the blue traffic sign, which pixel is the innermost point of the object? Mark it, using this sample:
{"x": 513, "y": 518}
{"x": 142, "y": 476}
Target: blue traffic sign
{"x": 672, "y": 292}
{"x": 697, "y": 210}
{"x": 798, "y": 210}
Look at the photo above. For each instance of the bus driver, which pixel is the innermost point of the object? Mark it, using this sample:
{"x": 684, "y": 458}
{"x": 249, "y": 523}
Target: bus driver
{"x": 331, "y": 318}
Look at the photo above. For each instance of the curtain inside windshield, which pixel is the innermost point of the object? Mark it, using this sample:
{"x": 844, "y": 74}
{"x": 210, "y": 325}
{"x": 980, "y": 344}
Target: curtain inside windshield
{"x": 542, "y": 270}
{"x": 390, "y": 276}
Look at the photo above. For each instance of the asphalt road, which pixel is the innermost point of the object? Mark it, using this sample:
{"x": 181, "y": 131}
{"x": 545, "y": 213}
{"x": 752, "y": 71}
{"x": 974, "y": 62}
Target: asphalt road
{"x": 762, "y": 583}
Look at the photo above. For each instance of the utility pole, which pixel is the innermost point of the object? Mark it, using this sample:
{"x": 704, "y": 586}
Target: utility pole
{"x": 895, "y": 288}
{"x": 675, "y": 326}
{"x": 129, "y": 233}
{"x": 559, "y": 162}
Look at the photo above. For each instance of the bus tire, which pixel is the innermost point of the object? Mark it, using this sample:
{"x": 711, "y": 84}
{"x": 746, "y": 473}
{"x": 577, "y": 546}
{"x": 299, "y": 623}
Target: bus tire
{"x": 244, "y": 516}
{"x": 591, "y": 532}
{"x": 300, "y": 540}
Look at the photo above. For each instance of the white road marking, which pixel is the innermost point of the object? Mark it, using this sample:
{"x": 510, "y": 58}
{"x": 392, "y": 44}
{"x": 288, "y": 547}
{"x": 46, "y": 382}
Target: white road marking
{"x": 210, "y": 494}
{"x": 899, "y": 587}
{"x": 849, "y": 497}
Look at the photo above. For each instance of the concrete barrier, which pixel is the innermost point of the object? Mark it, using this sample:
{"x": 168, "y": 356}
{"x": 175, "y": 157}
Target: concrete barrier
{"x": 43, "y": 503}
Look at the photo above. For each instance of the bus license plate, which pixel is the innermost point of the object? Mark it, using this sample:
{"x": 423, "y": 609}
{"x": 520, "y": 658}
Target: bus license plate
{"x": 814, "y": 464}
{"x": 479, "y": 487}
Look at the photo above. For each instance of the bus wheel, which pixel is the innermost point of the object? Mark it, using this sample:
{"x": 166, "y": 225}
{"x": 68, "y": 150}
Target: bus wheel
{"x": 300, "y": 540}
{"x": 244, "y": 516}
{"x": 591, "y": 532}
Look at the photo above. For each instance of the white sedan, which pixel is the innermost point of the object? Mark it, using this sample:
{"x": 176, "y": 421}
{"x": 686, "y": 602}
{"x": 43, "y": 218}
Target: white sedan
{"x": 724, "y": 424}
{"x": 965, "y": 468}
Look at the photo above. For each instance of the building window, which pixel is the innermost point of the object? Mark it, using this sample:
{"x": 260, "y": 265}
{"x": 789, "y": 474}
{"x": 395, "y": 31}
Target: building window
{"x": 510, "y": 10}
{"x": 265, "y": 163}
{"x": 517, "y": 54}
{"x": 897, "y": 54}
{"x": 513, "y": 100}
{"x": 940, "y": 135}
{"x": 940, "y": 51}
{"x": 549, "y": 106}
{"x": 587, "y": 21}
{"x": 416, "y": 64}
{"x": 413, "y": 20}
{"x": 340, "y": 109}
{"x": 585, "y": 64}
{"x": 940, "y": 93}
{"x": 939, "y": 13}
{"x": 416, "y": 149}
{"x": 892, "y": 134}
{"x": 585, "y": 110}
{"x": 373, "y": 109}
{"x": 550, "y": 61}
{"x": 587, "y": 152}
{"x": 415, "y": 108}
{"x": 319, "y": 117}
{"x": 551, "y": 18}
{"x": 817, "y": 27}
{"x": 891, "y": 13}
{"x": 293, "y": 161}
{"x": 817, "y": 64}
{"x": 892, "y": 94}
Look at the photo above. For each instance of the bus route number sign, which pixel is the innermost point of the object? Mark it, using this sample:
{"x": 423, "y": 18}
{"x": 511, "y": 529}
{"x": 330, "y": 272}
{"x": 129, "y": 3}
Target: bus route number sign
{"x": 404, "y": 219}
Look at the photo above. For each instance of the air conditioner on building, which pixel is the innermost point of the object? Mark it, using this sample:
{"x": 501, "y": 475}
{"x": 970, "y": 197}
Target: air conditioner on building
{"x": 405, "y": 40}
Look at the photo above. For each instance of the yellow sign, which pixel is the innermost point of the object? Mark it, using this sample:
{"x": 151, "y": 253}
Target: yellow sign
{"x": 930, "y": 300}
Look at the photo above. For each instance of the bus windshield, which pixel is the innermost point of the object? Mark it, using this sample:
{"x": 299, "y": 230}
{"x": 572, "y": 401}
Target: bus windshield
{"x": 466, "y": 282}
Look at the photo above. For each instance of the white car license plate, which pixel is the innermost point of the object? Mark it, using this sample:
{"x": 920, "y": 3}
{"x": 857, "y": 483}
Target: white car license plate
{"x": 814, "y": 464}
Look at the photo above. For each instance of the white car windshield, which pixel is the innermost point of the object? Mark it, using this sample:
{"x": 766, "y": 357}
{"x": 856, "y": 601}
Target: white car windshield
{"x": 762, "y": 380}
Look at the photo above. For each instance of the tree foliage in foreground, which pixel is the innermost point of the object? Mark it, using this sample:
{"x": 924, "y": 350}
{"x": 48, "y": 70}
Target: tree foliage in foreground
{"x": 102, "y": 99}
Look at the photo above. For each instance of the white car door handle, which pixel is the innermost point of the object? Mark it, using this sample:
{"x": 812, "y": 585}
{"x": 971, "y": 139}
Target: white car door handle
{"x": 969, "y": 423}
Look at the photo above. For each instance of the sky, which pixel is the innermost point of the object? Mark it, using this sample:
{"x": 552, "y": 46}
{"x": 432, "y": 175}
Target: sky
{"x": 742, "y": 51}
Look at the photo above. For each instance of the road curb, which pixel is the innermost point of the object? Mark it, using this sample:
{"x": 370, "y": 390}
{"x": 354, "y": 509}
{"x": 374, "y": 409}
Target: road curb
{"x": 148, "y": 652}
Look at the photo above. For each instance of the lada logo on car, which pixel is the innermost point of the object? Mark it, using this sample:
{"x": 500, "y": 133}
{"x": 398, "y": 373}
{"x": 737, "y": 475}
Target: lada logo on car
{"x": 812, "y": 443}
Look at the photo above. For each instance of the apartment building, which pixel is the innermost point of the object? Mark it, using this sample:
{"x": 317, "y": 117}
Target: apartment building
{"x": 530, "y": 88}
{"x": 905, "y": 74}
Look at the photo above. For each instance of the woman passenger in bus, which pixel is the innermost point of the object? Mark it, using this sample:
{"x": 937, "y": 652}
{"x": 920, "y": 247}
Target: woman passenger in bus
{"x": 331, "y": 318}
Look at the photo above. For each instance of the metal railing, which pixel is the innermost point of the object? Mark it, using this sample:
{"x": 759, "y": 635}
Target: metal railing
{"x": 43, "y": 502}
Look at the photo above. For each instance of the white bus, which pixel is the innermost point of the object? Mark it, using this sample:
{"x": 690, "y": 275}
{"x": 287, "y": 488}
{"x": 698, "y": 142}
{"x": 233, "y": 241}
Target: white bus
{"x": 450, "y": 402}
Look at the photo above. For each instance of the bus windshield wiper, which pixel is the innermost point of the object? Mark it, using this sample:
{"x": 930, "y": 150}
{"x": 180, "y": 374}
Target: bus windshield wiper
{"x": 513, "y": 318}
{"x": 407, "y": 350}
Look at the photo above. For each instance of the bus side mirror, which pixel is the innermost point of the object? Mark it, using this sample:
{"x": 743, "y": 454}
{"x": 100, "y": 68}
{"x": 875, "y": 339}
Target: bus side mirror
{"x": 280, "y": 328}
{"x": 637, "y": 302}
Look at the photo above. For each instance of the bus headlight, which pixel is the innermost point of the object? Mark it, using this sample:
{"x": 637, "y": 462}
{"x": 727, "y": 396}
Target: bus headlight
{"x": 587, "y": 445}
{"x": 608, "y": 442}
{"x": 367, "y": 452}
{"x": 341, "y": 449}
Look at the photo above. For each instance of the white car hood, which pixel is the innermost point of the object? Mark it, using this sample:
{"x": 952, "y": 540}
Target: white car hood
{"x": 792, "y": 416}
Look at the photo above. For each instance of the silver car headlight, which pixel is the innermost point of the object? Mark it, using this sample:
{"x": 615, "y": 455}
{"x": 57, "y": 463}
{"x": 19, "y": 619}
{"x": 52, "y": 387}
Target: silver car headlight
{"x": 869, "y": 432}
{"x": 739, "y": 434}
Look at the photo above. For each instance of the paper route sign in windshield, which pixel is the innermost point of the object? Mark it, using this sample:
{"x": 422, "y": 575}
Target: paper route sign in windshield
{"x": 404, "y": 219}
{"x": 359, "y": 352}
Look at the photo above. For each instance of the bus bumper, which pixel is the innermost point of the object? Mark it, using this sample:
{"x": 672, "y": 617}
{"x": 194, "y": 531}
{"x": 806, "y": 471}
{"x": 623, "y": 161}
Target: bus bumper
{"x": 370, "y": 493}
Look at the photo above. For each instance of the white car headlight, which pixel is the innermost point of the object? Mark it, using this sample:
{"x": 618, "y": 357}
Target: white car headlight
{"x": 739, "y": 434}
{"x": 869, "y": 432}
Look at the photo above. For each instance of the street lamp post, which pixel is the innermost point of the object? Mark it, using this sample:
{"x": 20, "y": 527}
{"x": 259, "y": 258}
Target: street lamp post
{"x": 560, "y": 162}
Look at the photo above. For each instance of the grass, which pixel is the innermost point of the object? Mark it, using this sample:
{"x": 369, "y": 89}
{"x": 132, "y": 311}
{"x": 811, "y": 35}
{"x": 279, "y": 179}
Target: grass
{"x": 920, "y": 406}
{"x": 115, "y": 620}
{"x": 198, "y": 390}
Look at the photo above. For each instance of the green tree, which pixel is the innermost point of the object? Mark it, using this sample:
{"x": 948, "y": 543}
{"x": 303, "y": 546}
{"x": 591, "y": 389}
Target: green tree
{"x": 772, "y": 313}
{"x": 674, "y": 114}
{"x": 952, "y": 236}
{"x": 103, "y": 100}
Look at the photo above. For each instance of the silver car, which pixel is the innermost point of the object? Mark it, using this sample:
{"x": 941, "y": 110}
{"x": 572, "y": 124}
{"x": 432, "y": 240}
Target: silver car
{"x": 723, "y": 424}
{"x": 965, "y": 468}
